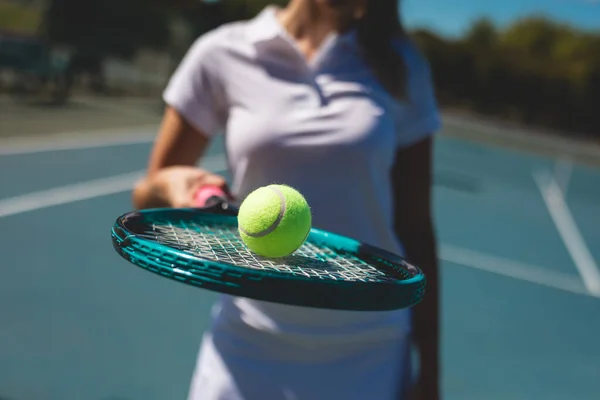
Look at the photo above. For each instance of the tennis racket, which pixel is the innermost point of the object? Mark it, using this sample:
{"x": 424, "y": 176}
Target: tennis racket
{"x": 201, "y": 247}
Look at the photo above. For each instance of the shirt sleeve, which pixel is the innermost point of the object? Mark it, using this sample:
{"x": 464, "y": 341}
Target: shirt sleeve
{"x": 418, "y": 116}
{"x": 195, "y": 88}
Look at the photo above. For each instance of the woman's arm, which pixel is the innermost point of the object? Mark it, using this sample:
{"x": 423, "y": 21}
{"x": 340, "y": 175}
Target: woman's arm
{"x": 196, "y": 112}
{"x": 171, "y": 168}
{"x": 412, "y": 181}
{"x": 178, "y": 143}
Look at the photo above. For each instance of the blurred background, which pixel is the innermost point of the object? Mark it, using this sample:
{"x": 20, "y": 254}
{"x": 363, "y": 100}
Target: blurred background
{"x": 517, "y": 195}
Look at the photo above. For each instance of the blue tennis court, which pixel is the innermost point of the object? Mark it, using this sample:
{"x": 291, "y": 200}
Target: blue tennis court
{"x": 519, "y": 243}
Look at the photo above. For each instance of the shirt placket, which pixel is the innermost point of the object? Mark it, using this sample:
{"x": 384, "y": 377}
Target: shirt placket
{"x": 312, "y": 69}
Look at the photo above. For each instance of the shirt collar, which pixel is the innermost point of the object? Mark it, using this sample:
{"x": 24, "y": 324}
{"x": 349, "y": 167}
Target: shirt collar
{"x": 266, "y": 27}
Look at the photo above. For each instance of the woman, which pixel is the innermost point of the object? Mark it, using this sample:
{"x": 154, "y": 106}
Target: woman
{"x": 329, "y": 97}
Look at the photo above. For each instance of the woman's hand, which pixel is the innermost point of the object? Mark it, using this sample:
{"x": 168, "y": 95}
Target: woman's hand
{"x": 174, "y": 187}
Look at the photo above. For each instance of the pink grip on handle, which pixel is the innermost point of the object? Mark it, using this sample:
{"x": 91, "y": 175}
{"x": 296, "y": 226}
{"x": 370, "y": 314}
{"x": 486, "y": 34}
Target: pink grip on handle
{"x": 206, "y": 192}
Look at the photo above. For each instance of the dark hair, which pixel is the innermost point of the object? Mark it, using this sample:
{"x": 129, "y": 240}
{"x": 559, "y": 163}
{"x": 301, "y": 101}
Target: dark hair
{"x": 377, "y": 31}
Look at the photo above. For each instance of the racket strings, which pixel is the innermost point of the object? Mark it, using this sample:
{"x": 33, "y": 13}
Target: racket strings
{"x": 220, "y": 242}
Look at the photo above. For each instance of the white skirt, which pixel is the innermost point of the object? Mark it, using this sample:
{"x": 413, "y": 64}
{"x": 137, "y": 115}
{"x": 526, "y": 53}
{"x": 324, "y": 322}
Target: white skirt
{"x": 232, "y": 371}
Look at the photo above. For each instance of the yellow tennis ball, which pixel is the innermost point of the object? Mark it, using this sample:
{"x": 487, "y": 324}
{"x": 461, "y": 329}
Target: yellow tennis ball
{"x": 274, "y": 220}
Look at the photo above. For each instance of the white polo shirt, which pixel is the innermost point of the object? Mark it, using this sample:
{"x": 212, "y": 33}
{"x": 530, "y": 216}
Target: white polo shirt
{"x": 327, "y": 128}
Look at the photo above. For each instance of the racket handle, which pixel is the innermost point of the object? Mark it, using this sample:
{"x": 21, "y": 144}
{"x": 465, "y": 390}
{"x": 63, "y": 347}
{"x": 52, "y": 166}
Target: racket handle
{"x": 207, "y": 195}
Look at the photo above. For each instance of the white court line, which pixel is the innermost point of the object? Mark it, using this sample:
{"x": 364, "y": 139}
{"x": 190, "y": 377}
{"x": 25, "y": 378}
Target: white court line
{"x": 513, "y": 269}
{"x": 68, "y": 194}
{"x": 84, "y": 191}
{"x": 563, "y": 170}
{"x": 527, "y": 136}
{"x": 567, "y": 228}
{"x": 79, "y": 141}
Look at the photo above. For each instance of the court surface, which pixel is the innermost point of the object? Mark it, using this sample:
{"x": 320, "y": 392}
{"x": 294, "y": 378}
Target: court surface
{"x": 519, "y": 243}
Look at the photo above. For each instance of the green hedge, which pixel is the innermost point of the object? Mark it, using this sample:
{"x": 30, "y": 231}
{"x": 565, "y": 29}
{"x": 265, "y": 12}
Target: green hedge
{"x": 534, "y": 71}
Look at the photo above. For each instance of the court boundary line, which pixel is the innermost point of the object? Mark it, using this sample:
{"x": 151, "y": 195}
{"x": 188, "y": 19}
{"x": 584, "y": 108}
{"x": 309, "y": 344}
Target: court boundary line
{"x": 77, "y": 141}
{"x": 513, "y": 269}
{"x": 522, "y": 135}
{"x": 563, "y": 171}
{"x": 566, "y": 226}
{"x": 68, "y": 194}
{"x": 84, "y": 190}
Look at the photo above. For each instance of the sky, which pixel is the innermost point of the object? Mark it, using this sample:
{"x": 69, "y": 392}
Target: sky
{"x": 453, "y": 17}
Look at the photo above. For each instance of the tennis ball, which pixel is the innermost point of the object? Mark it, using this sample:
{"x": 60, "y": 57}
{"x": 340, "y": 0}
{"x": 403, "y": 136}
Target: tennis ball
{"x": 274, "y": 221}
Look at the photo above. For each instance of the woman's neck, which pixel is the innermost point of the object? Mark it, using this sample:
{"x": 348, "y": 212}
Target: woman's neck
{"x": 309, "y": 23}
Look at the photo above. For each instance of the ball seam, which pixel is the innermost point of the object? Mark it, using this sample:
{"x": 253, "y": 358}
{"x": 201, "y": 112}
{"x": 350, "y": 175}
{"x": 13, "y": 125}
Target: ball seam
{"x": 275, "y": 224}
